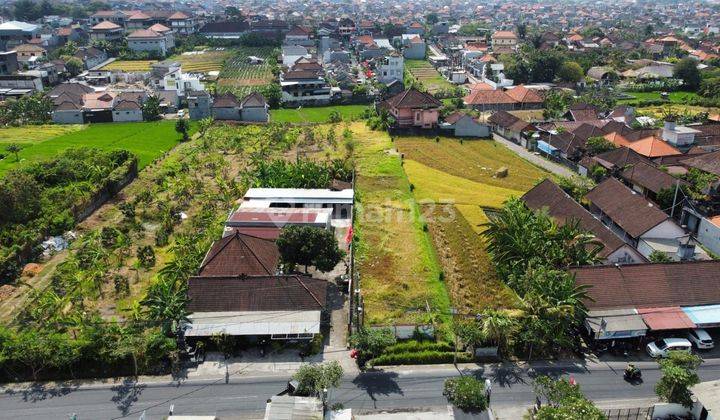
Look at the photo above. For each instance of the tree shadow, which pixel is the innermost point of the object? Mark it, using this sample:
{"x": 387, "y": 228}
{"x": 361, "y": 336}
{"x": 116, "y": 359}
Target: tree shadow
{"x": 378, "y": 383}
{"x": 127, "y": 394}
{"x": 39, "y": 392}
{"x": 507, "y": 375}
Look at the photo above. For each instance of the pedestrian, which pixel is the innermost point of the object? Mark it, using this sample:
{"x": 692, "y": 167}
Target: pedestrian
{"x": 488, "y": 388}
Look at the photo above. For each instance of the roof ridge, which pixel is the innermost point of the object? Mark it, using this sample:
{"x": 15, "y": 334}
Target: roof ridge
{"x": 308, "y": 290}
{"x": 240, "y": 237}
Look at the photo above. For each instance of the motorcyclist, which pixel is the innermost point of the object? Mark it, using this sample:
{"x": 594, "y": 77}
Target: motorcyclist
{"x": 631, "y": 370}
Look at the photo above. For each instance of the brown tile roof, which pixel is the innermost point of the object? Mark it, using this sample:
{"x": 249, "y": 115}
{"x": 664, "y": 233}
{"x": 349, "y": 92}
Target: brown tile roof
{"x": 628, "y": 209}
{"x": 488, "y": 97}
{"x": 621, "y": 157}
{"x": 650, "y": 285}
{"x": 510, "y": 122}
{"x": 413, "y": 98}
{"x": 563, "y": 208}
{"x": 649, "y": 177}
{"x": 583, "y": 112}
{"x": 254, "y": 99}
{"x": 178, "y": 16}
{"x": 256, "y": 293}
{"x": 159, "y": 28}
{"x": 226, "y": 100}
{"x": 504, "y": 35}
{"x": 524, "y": 95}
{"x": 144, "y": 33}
{"x": 105, "y": 25}
{"x": 709, "y": 134}
{"x": 455, "y": 117}
{"x": 709, "y": 162}
{"x": 240, "y": 254}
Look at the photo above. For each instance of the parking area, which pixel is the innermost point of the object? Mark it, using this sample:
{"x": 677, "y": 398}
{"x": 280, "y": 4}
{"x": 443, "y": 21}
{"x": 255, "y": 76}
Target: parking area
{"x": 636, "y": 348}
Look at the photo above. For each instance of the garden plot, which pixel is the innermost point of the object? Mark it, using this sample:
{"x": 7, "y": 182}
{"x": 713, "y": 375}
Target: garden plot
{"x": 425, "y": 73}
{"x": 130, "y": 65}
{"x": 203, "y": 61}
{"x": 239, "y": 75}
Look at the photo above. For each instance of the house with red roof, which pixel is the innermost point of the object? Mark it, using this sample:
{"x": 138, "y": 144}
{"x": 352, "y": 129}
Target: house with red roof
{"x": 516, "y": 98}
{"x": 158, "y": 40}
{"x": 504, "y": 42}
{"x": 413, "y": 108}
{"x": 106, "y": 31}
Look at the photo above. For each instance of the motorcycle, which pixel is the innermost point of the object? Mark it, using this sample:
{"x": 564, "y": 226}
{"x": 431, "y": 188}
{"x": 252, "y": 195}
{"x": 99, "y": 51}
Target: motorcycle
{"x": 632, "y": 374}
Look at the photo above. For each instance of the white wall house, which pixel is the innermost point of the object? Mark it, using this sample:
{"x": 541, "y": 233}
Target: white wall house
{"x": 182, "y": 82}
{"x": 391, "y": 68}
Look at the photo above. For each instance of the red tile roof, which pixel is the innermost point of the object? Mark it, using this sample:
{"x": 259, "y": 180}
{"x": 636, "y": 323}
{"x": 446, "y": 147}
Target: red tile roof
{"x": 239, "y": 254}
{"x": 413, "y": 98}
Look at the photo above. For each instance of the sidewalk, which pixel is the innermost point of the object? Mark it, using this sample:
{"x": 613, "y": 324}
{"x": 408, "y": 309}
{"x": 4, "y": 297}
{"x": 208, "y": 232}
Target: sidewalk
{"x": 553, "y": 167}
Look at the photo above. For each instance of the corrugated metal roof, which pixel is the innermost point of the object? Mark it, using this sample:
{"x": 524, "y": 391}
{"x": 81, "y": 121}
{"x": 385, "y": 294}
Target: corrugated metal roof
{"x": 703, "y": 315}
{"x": 253, "y": 323}
{"x": 665, "y": 318}
{"x": 615, "y": 320}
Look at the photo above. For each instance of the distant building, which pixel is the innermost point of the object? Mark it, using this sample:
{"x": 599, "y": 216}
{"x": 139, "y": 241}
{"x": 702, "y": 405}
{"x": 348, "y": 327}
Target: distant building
{"x": 199, "y": 103}
{"x": 390, "y": 68}
{"x": 29, "y": 54}
{"x": 413, "y": 108}
{"x": 251, "y": 108}
{"x": 13, "y": 33}
{"x": 106, "y": 31}
{"x": 224, "y": 29}
{"x": 504, "y": 42}
{"x": 148, "y": 40}
{"x": 8, "y": 62}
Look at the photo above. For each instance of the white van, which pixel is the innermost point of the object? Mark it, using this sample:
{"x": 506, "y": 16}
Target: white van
{"x": 660, "y": 348}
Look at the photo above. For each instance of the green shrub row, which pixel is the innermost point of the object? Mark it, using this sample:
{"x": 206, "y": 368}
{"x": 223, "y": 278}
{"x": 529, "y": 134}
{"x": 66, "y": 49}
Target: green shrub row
{"x": 418, "y": 346}
{"x": 426, "y": 357}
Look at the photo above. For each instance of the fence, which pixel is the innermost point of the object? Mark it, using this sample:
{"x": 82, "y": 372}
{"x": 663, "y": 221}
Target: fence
{"x": 639, "y": 413}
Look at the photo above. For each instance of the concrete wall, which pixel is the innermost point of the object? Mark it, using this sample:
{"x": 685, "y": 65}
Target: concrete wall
{"x": 667, "y": 229}
{"x": 255, "y": 114}
{"x": 709, "y": 235}
{"x": 199, "y": 109}
{"x": 148, "y": 45}
{"x": 415, "y": 51}
{"x": 226, "y": 114}
{"x": 624, "y": 255}
{"x": 67, "y": 117}
{"x": 127, "y": 115}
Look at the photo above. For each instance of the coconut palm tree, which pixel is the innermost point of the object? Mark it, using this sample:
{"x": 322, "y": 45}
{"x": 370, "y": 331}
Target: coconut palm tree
{"x": 498, "y": 327}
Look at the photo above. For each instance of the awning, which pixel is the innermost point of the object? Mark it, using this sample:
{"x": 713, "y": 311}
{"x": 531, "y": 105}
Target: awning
{"x": 666, "y": 318}
{"x": 704, "y": 316}
{"x": 615, "y": 323}
{"x": 204, "y": 324}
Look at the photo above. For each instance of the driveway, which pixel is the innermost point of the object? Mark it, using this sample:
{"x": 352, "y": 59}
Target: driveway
{"x": 538, "y": 160}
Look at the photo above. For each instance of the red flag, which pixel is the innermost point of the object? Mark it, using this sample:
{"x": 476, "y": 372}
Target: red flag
{"x": 348, "y": 237}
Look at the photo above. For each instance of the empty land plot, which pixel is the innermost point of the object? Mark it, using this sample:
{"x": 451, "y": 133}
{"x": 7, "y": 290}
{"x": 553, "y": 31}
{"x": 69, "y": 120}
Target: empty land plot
{"x": 475, "y": 160}
{"x": 315, "y": 114}
{"x": 29, "y": 134}
{"x": 426, "y": 74}
{"x": 468, "y": 271}
{"x": 203, "y": 61}
{"x": 130, "y": 65}
{"x": 240, "y": 76}
{"x": 399, "y": 271}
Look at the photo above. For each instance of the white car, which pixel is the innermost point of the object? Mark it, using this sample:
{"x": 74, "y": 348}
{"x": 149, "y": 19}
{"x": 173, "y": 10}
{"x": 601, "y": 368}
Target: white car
{"x": 660, "y": 348}
{"x": 181, "y": 113}
{"x": 701, "y": 339}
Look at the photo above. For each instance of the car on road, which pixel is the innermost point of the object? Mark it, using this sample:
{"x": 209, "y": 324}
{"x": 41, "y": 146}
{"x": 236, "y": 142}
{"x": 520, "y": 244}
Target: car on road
{"x": 661, "y": 347}
{"x": 700, "y": 339}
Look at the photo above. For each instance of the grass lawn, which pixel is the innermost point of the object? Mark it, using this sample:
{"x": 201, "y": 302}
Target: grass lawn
{"x": 34, "y": 133}
{"x": 400, "y": 273}
{"x": 426, "y": 74}
{"x": 147, "y": 140}
{"x": 659, "y": 111}
{"x": 130, "y": 65}
{"x": 315, "y": 114}
{"x": 673, "y": 97}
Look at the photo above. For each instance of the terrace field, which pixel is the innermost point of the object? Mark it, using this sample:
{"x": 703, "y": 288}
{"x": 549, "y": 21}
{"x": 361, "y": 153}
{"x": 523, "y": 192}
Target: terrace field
{"x": 425, "y": 73}
{"x": 147, "y": 140}
{"x": 130, "y": 65}
{"x": 241, "y": 77}
{"x": 453, "y": 182}
{"x": 202, "y": 61}
{"x": 400, "y": 274}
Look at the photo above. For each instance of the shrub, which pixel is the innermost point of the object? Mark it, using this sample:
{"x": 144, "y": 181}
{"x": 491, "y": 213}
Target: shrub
{"x": 426, "y": 357}
{"x": 418, "y": 346}
{"x": 466, "y": 393}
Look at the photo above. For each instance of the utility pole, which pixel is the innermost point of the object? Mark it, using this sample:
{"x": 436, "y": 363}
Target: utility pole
{"x": 677, "y": 187}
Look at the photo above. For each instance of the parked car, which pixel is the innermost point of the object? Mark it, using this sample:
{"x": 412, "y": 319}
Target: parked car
{"x": 661, "y": 347}
{"x": 700, "y": 339}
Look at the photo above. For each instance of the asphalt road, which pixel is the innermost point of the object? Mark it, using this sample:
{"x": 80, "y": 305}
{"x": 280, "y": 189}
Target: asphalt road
{"x": 244, "y": 396}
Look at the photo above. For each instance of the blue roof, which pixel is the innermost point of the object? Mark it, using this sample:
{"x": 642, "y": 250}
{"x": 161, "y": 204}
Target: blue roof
{"x": 705, "y": 314}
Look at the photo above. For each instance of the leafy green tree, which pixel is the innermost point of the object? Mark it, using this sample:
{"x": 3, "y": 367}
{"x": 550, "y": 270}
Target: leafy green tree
{"x": 564, "y": 401}
{"x": 314, "y": 378}
{"x": 26, "y": 10}
{"x": 571, "y": 72}
{"x": 679, "y": 374}
{"x": 686, "y": 70}
{"x": 204, "y": 125}
{"x": 521, "y": 29}
{"x": 15, "y": 149}
{"x": 659, "y": 257}
{"x": 466, "y": 393}
{"x": 309, "y": 246}
{"x": 272, "y": 94}
{"x": 556, "y": 104}
{"x": 151, "y": 108}
{"x": 182, "y": 126}
{"x": 431, "y": 18}
{"x": 372, "y": 342}
{"x": 74, "y": 66}
{"x": 19, "y": 198}
{"x": 598, "y": 145}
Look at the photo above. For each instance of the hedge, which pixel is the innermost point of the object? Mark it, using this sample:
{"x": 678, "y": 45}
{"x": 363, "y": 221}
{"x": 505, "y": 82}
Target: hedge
{"x": 418, "y": 346}
{"x": 426, "y": 357}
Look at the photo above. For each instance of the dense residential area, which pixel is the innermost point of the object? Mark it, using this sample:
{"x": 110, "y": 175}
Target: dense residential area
{"x": 360, "y": 210}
